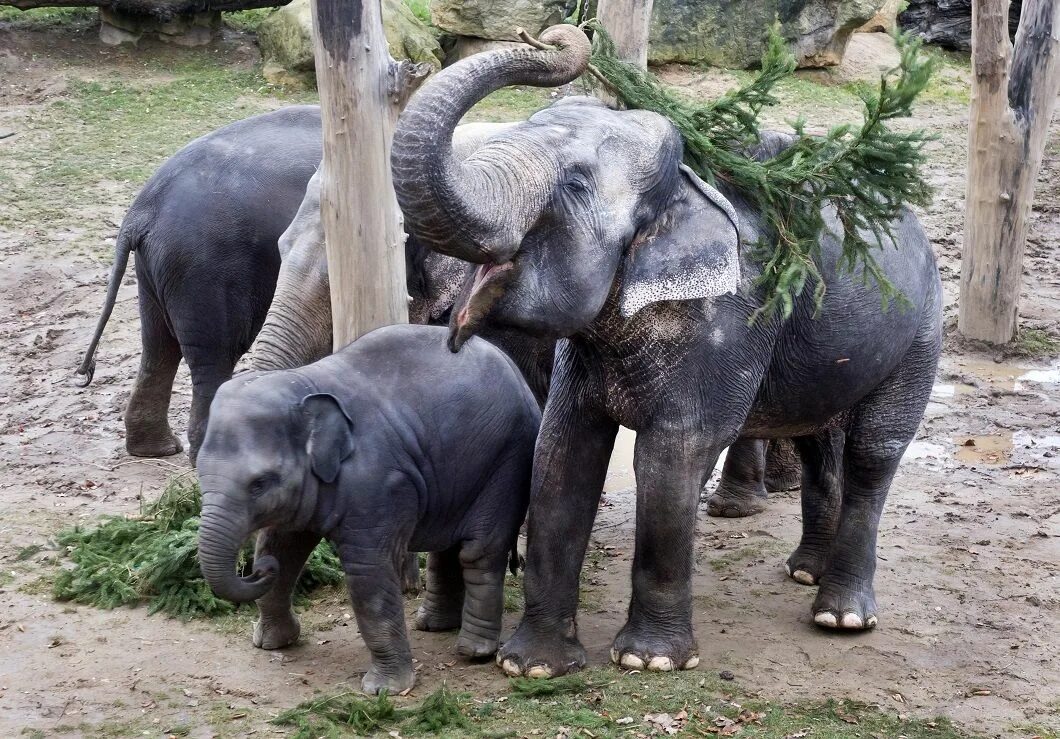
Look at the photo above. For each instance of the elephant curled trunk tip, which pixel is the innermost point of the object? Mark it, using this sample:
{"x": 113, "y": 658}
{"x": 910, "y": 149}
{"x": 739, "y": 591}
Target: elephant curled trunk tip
{"x": 218, "y": 554}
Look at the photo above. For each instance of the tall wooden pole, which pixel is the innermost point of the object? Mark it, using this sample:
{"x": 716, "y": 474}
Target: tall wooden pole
{"x": 1014, "y": 90}
{"x": 362, "y": 90}
{"x": 629, "y": 23}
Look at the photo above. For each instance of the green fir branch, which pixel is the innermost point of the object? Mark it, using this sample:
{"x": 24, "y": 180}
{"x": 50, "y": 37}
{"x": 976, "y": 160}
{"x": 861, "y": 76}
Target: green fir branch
{"x": 862, "y": 175}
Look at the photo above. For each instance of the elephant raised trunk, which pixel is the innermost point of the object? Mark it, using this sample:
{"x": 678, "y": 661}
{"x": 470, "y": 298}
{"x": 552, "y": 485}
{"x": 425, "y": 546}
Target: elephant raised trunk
{"x": 457, "y": 208}
{"x": 221, "y": 536}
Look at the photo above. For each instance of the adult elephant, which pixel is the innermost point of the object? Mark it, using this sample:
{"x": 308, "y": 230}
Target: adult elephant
{"x": 587, "y": 227}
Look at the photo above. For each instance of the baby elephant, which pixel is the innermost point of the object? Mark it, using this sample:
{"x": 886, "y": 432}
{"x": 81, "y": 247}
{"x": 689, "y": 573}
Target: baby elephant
{"x": 390, "y": 445}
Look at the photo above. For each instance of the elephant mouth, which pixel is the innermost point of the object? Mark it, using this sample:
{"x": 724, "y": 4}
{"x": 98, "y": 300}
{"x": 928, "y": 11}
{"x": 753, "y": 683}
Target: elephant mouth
{"x": 487, "y": 286}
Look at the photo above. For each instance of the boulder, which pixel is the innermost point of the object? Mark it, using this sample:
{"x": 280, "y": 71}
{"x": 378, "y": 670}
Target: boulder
{"x": 948, "y": 23}
{"x": 489, "y": 19}
{"x": 286, "y": 39}
{"x": 732, "y": 33}
{"x": 885, "y": 20}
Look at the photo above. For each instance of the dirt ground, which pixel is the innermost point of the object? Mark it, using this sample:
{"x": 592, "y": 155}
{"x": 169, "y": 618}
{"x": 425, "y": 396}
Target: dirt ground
{"x": 969, "y": 573}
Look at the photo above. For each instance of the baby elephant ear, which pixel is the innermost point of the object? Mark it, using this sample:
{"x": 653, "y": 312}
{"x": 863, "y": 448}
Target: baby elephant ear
{"x": 696, "y": 255}
{"x": 330, "y": 435}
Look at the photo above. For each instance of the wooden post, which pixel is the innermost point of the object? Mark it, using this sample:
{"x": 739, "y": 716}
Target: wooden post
{"x": 1014, "y": 89}
{"x": 629, "y": 24}
{"x": 362, "y": 90}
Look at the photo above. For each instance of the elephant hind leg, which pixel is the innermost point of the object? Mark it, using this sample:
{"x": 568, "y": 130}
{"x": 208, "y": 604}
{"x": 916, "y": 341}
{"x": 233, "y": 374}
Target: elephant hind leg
{"x": 783, "y": 468}
{"x": 147, "y": 430}
{"x": 742, "y": 489}
{"x": 443, "y": 602}
{"x": 880, "y": 429}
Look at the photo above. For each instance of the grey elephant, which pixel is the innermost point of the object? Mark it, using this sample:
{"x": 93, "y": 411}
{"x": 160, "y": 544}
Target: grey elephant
{"x": 391, "y": 444}
{"x": 209, "y": 229}
{"x": 587, "y": 227}
{"x": 204, "y": 229}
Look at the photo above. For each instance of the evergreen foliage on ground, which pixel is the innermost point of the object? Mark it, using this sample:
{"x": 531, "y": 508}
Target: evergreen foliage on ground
{"x": 866, "y": 172}
{"x": 152, "y": 558}
{"x": 346, "y": 714}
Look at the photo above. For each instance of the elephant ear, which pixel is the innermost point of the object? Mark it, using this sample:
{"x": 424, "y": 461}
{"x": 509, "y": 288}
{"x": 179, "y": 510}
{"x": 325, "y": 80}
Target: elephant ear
{"x": 696, "y": 255}
{"x": 330, "y": 435}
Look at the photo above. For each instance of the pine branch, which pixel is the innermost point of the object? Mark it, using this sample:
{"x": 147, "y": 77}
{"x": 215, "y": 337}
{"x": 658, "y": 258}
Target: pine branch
{"x": 865, "y": 174}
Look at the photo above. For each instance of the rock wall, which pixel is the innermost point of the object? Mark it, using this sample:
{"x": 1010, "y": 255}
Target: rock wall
{"x": 286, "y": 40}
{"x": 948, "y": 23}
{"x": 731, "y": 33}
{"x": 497, "y": 19}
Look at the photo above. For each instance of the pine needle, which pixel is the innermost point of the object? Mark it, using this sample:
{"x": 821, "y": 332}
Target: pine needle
{"x": 349, "y": 713}
{"x": 865, "y": 174}
{"x": 527, "y": 687}
{"x": 153, "y": 558}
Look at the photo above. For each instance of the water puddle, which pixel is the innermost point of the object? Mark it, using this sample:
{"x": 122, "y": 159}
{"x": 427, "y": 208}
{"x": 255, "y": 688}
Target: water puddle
{"x": 1048, "y": 376}
{"x": 995, "y": 449}
{"x": 925, "y": 450}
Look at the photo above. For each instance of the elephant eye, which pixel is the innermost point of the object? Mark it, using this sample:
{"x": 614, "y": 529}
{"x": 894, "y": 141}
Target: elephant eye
{"x": 576, "y": 185}
{"x": 261, "y": 484}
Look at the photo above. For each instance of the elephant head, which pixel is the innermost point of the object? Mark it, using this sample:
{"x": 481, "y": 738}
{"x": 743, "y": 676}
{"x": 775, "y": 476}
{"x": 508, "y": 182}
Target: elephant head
{"x": 270, "y": 443}
{"x": 576, "y": 205}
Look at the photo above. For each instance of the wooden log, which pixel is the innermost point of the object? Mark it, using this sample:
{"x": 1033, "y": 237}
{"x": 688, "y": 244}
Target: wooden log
{"x": 628, "y": 22}
{"x": 1014, "y": 90}
{"x": 362, "y": 90}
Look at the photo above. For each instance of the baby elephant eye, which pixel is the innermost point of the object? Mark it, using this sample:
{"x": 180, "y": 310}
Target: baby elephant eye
{"x": 261, "y": 484}
{"x": 575, "y": 184}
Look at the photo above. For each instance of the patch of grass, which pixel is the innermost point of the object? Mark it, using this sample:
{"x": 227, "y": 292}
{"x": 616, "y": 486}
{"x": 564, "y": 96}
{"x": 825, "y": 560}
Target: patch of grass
{"x": 153, "y": 558}
{"x": 349, "y": 713}
{"x": 421, "y": 9}
{"x": 44, "y": 18}
{"x": 611, "y": 704}
{"x": 247, "y": 21}
{"x": 1034, "y": 342}
{"x": 510, "y": 104}
{"x": 513, "y": 594}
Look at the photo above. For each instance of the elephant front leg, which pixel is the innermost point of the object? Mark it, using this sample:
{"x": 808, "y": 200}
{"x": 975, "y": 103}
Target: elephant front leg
{"x": 742, "y": 490}
{"x": 483, "y": 603}
{"x": 277, "y": 626}
{"x": 443, "y": 603}
{"x": 570, "y": 465}
{"x": 658, "y": 632}
{"x": 822, "y": 493}
{"x": 372, "y": 576}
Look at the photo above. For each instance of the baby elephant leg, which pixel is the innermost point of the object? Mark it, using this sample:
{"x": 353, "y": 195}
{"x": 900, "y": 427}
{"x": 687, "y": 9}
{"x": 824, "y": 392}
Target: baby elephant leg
{"x": 480, "y": 629}
{"x": 443, "y": 603}
{"x": 277, "y": 626}
{"x": 375, "y": 592}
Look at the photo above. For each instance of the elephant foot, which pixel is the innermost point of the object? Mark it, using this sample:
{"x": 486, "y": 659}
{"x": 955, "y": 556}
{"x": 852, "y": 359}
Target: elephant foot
{"x": 783, "y": 466}
{"x": 805, "y": 565}
{"x": 475, "y": 646}
{"x": 638, "y": 647}
{"x": 276, "y": 632}
{"x": 844, "y": 608}
{"x": 783, "y": 480}
{"x": 735, "y": 501}
{"x": 542, "y": 652}
{"x": 434, "y": 617}
{"x": 153, "y": 446}
{"x": 393, "y": 682}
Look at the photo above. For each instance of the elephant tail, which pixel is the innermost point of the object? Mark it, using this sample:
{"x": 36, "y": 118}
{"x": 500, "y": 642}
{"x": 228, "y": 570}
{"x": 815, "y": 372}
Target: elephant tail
{"x": 125, "y": 244}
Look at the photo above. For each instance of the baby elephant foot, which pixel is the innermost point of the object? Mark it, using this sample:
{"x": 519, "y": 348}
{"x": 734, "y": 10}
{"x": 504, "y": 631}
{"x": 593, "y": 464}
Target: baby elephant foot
{"x": 276, "y": 632}
{"x": 434, "y": 617}
{"x": 640, "y": 648}
{"x": 805, "y": 565}
{"x": 732, "y": 501}
{"x": 542, "y": 652}
{"x": 393, "y": 682}
{"x": 844, "y": 608}
{"x": 475, "y": 646}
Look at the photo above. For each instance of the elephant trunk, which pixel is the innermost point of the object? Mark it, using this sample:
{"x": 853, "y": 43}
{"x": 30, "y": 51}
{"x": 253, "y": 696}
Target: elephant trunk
{"x": 222, "y": 532}
{"x": 456, "y": 208}
{"x": 297, "y": 329}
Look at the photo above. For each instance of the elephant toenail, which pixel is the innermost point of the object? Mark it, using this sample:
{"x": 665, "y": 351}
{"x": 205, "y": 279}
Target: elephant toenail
{"x": 632, "y": 662}
{"x": 787, "y": 569}
{"x": 510, "y": 668}
{"x": 661, "y": 664}
{"x": 539, "y": 672}
{"x": 871, "y": 622}
{"x": 614, "y": 655}
{"x": 692, "y": 663}
{"x": 851, "y": 621}
{"x": 825, "y": 618}
{"x": 803, "y": 577}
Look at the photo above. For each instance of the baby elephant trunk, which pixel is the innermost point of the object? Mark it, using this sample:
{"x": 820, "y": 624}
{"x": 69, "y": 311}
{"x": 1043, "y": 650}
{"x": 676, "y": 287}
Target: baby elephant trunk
{"x": 221, "y": 536}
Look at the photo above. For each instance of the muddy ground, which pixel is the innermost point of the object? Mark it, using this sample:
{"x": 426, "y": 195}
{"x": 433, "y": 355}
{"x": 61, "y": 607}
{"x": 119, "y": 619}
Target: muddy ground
{"x": 969, "y": 572}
